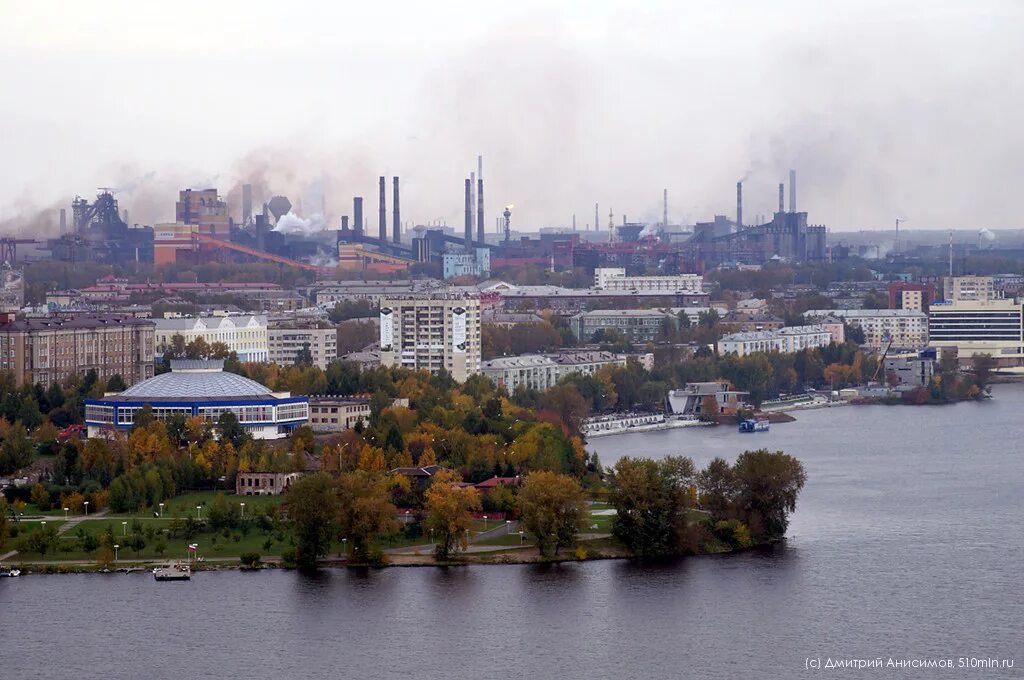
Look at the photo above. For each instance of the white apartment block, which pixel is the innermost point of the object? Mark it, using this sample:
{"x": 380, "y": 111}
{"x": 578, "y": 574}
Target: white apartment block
{"x": 245, "y": 335}
{"x": 912, "y": 300}
{"x": 907, "y": 327}
{"x": 541, "y": 371}
{"x": 994, "y": 327}
{"x": 286, "y": 341}
{"x": 432, "y": 332}
{"x": 785, "y": 340}
{"x": 614, "y": 278}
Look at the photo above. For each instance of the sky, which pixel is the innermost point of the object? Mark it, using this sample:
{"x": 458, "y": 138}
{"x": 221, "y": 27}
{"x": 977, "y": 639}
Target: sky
{"x": 885, "y": 109}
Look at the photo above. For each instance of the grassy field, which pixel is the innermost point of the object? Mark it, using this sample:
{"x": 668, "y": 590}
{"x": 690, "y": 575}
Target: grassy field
{"x": 185, "y": 504}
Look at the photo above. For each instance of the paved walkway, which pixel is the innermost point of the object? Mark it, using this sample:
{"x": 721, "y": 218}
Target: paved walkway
{"x": 68, "y": 524}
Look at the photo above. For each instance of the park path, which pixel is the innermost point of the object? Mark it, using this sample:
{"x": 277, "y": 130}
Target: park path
{"x": 69, "y": 523}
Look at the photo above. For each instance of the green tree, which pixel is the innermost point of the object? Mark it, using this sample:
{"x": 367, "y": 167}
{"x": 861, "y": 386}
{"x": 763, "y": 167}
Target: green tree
{"x": 230, "y": 430}
{"x": 450, "y": 511}
{"x": 767, "y": 488}
{"x": 365, "y": 513}
{"x": 313, "y": 510}
{"x": 652, "y": 499}
{"x": 304, "y": 357}
{"x": 5, "y": 529}
{"x": 116, "y": 383}
{"x": 223, "y": 514}
{"x": 553, "y": 508}
{"x": 716, "y": 485}
{"x": 16, "y": 451}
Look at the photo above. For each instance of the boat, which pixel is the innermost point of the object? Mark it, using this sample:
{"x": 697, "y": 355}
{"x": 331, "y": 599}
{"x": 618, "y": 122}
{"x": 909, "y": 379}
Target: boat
{"x": 751, "y": 425}
{"x": 9, "y": 572}
{"x": 172, "y": 572}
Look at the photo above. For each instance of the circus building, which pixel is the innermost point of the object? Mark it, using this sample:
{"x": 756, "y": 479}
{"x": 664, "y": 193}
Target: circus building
{"x": 204, "y": 389}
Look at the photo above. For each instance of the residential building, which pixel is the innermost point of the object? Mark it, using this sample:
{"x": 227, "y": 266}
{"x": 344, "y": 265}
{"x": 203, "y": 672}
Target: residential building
{"x": 245, "y": 335}
{"x": 367, "y": 358}
{"x": 752, "y": 306}
{"x": 432, "y": 332}
{"x": 264, "y": 483}
{"x": 906, "y": 327}
{"x": 52, "y": 349}
{"x": 327, "y": 293}
{"x": 833, "y": 325}
{"x": 614, "y": 278}
{"x": 337, "y": 414}
{"x": 639, "y": 325}
{"x": 993, "y": 327}
{"x": 286, "y": 339}
{"x": 742, "y": 322}
{"x": 542, "y": 371}
{"x": 785, "y": 340}
{"x": 968, "y": 289}
{"x": 579, "y": 299}
{"x": 914, "y": 296}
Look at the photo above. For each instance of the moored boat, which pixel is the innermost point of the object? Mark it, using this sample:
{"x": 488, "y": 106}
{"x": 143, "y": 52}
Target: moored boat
{"x": 751, "y": 425}
{"x": 172, "y": 572}
{"x": 9, "y": 572}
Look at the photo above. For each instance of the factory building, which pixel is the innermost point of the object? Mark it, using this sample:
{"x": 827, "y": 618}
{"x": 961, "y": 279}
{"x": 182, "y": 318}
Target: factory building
{"x": 203, "y": 389}
{"x": 432, "y": 332}
{"x": 475, "y": 263}
{"x": 51, "y": 350}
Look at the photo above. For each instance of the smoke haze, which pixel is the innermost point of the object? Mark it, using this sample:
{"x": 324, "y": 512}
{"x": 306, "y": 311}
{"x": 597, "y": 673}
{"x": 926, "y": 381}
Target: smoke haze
{"x": 885, "y": 109}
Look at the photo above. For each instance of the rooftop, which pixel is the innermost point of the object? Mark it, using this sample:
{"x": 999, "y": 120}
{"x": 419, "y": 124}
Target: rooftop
{"x": 73, "y": 323}
{"x": 193, "y": 380}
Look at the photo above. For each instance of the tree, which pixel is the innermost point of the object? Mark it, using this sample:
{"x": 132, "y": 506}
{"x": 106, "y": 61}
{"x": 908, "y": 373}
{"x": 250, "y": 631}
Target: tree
{"x": 41, "y": 541}
{"x": 313, "y": 510}
{"x": 304, "y": 357}
{"x": 222, "y": 514}
{"x": 16, "y": 451}
{"x": 716, "y": 485}
{"x": 854, "y": 333}
{"x": 5, "y": 529}
{"x": 652, "y": 498}
{"x": 982, "y": 365}
{"x": 553, "y": 507}
{"x": 365, "y": 513}
{"x": 450, "y": 513}
{"x": 116, "y": 383}
{"x": 767, "y": 487}
{"x": 250, "y": 560}
{"x": 230, "y": 430}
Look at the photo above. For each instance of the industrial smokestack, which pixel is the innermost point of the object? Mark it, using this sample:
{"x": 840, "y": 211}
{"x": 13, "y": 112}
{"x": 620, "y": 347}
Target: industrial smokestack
{"x": 597, "y": 220}
{"x": 246, "y": 203}
{"x": 472, "y": 199}
{"x": 382, "y": 216}
{"x": 480, "y": 210}
{"x": 792, "y": 191}
{"x": 469, "y": 214}
{"x": 344, "y": 224}
{"x": 396, "y": 224}
{"x": 63, "y": 220}
{"x": 739, "y": 204}
{"x": 664, "y": 215}
{"x": 357, "y": 215}
{"x": 782, "y": 194}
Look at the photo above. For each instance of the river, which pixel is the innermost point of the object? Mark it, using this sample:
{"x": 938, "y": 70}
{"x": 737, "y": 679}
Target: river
{"x": 907, "y": 543}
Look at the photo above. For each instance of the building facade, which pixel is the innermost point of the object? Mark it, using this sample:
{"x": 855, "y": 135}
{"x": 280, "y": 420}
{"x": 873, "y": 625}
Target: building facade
{"x": 52, "y": 349}
{"x": 337, "y": 414}
{"x": 287, "y": 339}
{"x": 432, "y": 332}
{"x": 906, "y": 327}
{"x": 916, "y": 297}
{"x": 245, "y": 335}
{"x": 740, "y": 322}
{"x": 476, "y": 263}
{"x": 968, "y": 289}
{"x": 639, "y": 325}
{"x": 264, "y": 483}
{"x": 614, "y": 278}
{"x": 784, "y": 340}
{"x": 542, "y": 371}
{"x": 992, "y": 327}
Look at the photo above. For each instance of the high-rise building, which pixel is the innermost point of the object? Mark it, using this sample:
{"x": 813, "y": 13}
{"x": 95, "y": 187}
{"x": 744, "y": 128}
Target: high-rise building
{"x": 968, "y": 288}
{"x": 986, "y": 326}
{"x": 906, "y": 328}
{"x": 432, "y": 332}
{"x": 286, "y": 340}
{"x": 51, "y": 350}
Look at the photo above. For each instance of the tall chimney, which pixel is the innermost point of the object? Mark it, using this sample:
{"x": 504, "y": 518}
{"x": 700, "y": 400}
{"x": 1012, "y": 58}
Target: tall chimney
{"x": 792, "y": 191}
{"x": 382, "y": 215}
{"x": 782, "y": 194}
{"x": 396, "y": 224}
{"x": 597, "y": 220}
{"x": 472, "y": 199}
{"x": 63, "y": 220}
{"x": 344, "y": 223}
{"x": 739, "y": 204}
{"x": 357, "y": 215}
{"x": 480, "y": 211}
{"x": 664, "y": 215}
{"x": 246, "y": 203}
{"x": 469, "y": 215}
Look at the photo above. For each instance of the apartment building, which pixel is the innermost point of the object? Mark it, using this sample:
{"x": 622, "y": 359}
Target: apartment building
{"x": 614, "y": 278}
{"x": 968, "y": 288}
{"x": 541, "y": 371}
{"x": 245, "y": 335}
{"x": 639, "y": 325}
{"x": 994, "y": 327}
{"x": 785, "y": 340}
{"x": 336, "y": 414}
{"x": 286, "y": 339}
{"x": 432, "y": 332}
{"x": 907, "y": 327}
{"x": 52, "y": 350}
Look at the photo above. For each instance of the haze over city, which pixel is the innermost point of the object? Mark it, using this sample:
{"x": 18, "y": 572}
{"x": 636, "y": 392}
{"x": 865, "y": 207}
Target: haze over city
{"x": 885, "y": 110}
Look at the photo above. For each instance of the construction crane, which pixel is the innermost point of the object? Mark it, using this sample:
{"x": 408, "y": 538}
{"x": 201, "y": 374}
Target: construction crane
{"x": 887, "y": 339}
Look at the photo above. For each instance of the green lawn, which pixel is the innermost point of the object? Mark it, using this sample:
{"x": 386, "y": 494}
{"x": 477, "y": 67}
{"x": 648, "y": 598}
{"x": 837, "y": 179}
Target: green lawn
{"x": 185, "y": 504}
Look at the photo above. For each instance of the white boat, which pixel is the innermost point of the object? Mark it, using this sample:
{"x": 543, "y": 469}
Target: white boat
{"x": 172, "y": 572}
{"x": 9, "y": 572}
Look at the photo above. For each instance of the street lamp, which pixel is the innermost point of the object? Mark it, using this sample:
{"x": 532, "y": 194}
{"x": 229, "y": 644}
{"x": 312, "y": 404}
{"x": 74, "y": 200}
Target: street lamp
{"x": 66, "y": 512}
{"x": 485, "y": 524}
{"x": 199, "y": 512}
{"x": 243, "y": 510}
{"x": 124, "y": 528}
{"x": 86, "y": 508}
{"x": 116, "y": 546}
{"x": 161, "y": 509}
{"x": 522, "y": 537}
{"x": 508, "y": 526}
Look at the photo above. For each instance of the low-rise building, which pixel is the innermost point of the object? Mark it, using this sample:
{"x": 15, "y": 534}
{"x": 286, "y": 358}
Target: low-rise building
{"x": 475, "y": 263}
{"x": 639, "y": 325}
{"x": 742, "y": 322}
{"x": 614, "y": 278}
{"x": 286, "y": 340}
{"x": 785, "y": 340}
{"x": 337, "y": 414}
{"x": 264, "y": 483}
{"x": 906, "y": 327}
{"x": 51, "y": 350}
{"x": 542, "y": 371}
{"x": 909, "y": 372}
{"x": 244, "y": 335}
{"x": 696, "y": 399}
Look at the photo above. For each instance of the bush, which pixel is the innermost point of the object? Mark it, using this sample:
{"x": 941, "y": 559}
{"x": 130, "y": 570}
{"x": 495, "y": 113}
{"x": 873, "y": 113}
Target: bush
{"x": 250, "y": 560}
{"x": 288, "y": 557}
{"x": 734, "y": 533}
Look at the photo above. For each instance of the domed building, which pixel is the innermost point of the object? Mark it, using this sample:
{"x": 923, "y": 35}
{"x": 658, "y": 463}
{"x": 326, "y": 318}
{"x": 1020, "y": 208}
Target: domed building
{"x": 200, "y": 388}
